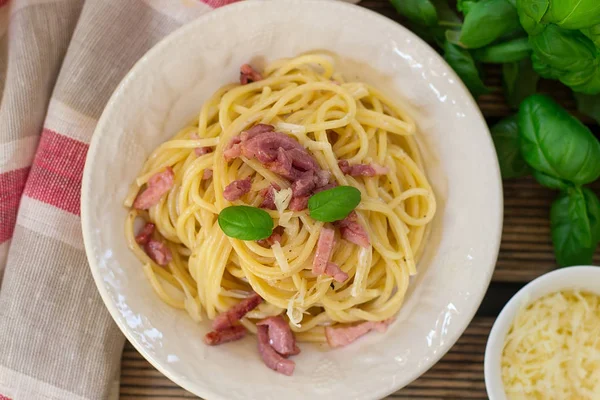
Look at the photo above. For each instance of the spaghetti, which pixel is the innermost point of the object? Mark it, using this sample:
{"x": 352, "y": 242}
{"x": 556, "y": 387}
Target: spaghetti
{"x": 334, "y": 120}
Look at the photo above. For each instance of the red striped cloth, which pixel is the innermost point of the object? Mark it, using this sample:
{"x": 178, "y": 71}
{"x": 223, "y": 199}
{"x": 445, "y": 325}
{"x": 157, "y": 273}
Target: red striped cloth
{"x": 60, "y": 60}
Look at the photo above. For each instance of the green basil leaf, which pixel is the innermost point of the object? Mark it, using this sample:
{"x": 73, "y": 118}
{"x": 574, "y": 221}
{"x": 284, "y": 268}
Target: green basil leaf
{"x": 447, "y": 17}
{"x": 486, "y": 21}
{"x": 593, "y": 33}
{"x": 463, "y": 64}
{"x": 588, "y": 105}
{"x": 333, "y": 204}
{"x": 556, "y": 143}
{"x": 505, "y": 135}
{"x": 464, "y": 6}
{"x": 519, "y": 81}
{"x": 418, "y": 11}
{"x": 246, "y": 223}
{"x": 570, "y": 14}
{"x": 593, "y": 209}
{"x": 453, "y": 36}
{"x": 505, "y": 52}
{"x": 531, "y": 13}
{"x": 574, "y": 220}
{"x": 563, "y": 49}
{"x": 568, "y": 56}
{"x": 550, "y": 181}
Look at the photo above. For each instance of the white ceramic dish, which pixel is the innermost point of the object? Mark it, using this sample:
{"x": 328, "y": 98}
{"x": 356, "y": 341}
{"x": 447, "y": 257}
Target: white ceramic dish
{"x": 165, "y": 90}
{"x": 583, "y": 278}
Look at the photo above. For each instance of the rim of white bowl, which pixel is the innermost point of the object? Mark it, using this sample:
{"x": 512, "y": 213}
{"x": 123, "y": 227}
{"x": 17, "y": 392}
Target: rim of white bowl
{"x": 568, "y": 278}
{"x": 200, "y": 390}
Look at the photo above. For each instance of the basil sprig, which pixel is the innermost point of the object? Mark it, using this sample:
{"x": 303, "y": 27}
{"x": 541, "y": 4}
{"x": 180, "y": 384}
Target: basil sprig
{"x": 246, "y": 223}
{"x": 575, "y": 222}
{"x": 561, "y": 153}
{"x": 333, "y": 204}
{"x": 505, "y": 135}
{"x": 557, "y": 144}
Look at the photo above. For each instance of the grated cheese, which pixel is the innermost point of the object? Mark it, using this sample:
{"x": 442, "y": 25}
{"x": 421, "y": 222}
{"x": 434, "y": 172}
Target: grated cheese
{"x": 552, "y": 350}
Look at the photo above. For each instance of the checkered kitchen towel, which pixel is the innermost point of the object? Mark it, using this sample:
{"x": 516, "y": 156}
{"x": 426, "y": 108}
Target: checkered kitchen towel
{"x": 60, "y": 60}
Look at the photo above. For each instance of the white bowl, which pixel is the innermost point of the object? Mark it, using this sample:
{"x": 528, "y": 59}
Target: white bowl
{"x": 165, "y": 90}
{"x": 573, "y": 278}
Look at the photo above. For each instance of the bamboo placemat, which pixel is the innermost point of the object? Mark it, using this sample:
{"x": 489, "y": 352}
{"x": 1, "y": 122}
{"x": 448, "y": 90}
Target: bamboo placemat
{"x": 525, "y": 253}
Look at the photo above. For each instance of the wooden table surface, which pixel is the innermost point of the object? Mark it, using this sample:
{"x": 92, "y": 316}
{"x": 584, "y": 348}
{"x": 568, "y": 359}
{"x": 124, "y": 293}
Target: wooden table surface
{"x": 525, "y": 253}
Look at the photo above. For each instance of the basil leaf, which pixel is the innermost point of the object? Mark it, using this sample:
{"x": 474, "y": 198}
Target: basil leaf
{"x": 453, "y": 36}
{"x": 447, "y": 17}
{"x": 550, "y": 181}
{"x": 461, "y": 61}
{"x": 505, "y": 52}
{"x": 575, "y": 224}
{"x": 464, "y": 6}
{"x": 531, "y": 13}
{"x": 486, "y": 21}
{"x": 245, "y": 223}
{"x": 593, "y": 33}
{"x": 564, "y": 50}
{"x": 568, "y": 56}
{"x": 505, "y": 135}
{"x": 588, "y": 105}
{"x": 519, "y": 81}
{"x": 556, "y": 143}
{"x": 573, "y": 14}
{"x": 418, "y": 11}
{"x": 593, "y": 209}
{"x": 333, "y": 204}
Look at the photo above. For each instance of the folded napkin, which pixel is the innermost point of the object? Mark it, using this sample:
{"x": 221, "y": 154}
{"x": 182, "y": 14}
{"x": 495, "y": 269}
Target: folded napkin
{"x": 60, "y": 61}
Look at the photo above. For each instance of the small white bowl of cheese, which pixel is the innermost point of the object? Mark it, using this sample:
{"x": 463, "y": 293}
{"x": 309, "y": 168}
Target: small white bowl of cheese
{"x": 545, "y": 344}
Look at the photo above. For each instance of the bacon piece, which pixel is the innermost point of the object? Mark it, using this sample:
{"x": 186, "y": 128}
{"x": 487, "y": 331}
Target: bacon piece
{"x": 159, "y": 184}
{"x": 207, "y": 174}
{"x": 234, "y": 149}
{"x": 322, "y": 178}
{"x": 237, "y": 189}
{"x": 278, "y": 152}
{"x": 299, "y": 203}
{"x": 256, "y": 130}
{"x": 326, "y": 187}
{"x": 304, "y": 185}
{"x": 353, "y": 231}
{"x": 371, "y": 169}
{"x": 249, "y": 74}
{"x": 264, "y": 146}
{"x": 145, "y": 234}
{"x": 282, "y": 165}
{"x": 302, "y": 159}
{"x": 281, "y": 337}
{"x": 344, "y": 335}
{"x": 234, "y": 333}
{"x": 158, "y": 252}
{"x": 333, "y": 270}
{"x": 324, "y": 250}
{"x": 268, "y": 195}
{"x": 230, "y": 317}
{"x": 276, "y": 236}
{"x": 270, "y": 357}
{"x": 200, "y": 151}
